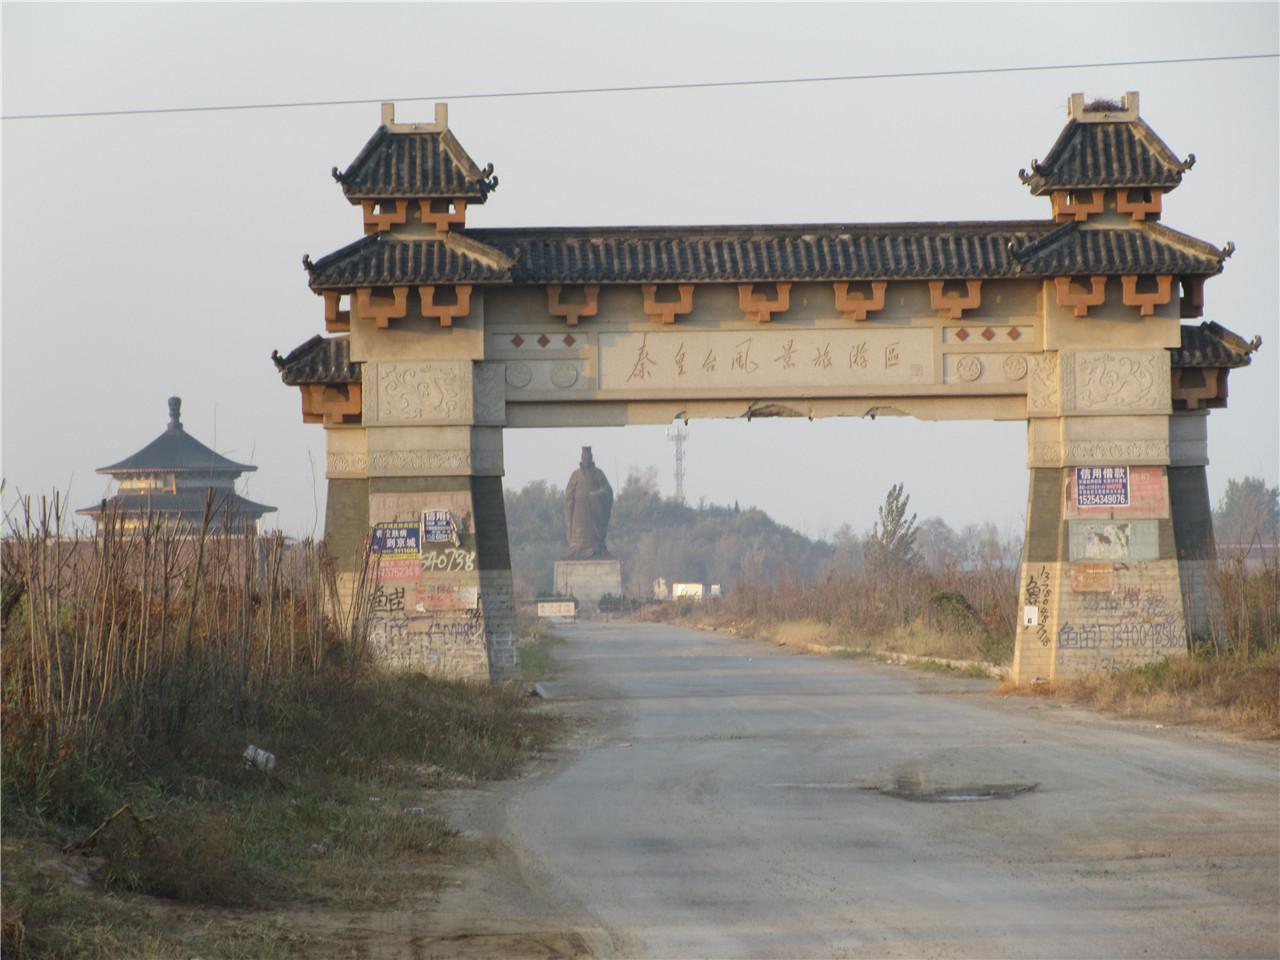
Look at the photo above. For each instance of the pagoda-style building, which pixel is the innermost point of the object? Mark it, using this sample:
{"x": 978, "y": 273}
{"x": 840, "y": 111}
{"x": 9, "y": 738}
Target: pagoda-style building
{"x": 446, "y": 335}
{"x": 177, "y": 481}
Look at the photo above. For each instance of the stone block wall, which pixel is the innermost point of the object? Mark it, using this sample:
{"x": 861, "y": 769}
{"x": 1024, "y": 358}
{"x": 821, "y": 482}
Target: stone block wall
{"x": 1102, "y": 587}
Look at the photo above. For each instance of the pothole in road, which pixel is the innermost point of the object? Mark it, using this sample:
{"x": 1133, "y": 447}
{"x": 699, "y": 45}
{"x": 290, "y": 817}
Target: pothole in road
{"x": 910, "y": 788}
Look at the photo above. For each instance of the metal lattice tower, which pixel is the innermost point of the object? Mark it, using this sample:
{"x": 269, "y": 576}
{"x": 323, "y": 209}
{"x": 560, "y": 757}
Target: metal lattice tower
{"x": 678, "y": 435}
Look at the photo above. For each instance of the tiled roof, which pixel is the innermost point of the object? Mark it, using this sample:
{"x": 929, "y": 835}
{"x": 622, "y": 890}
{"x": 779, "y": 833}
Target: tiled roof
{"x": 730, "y": 254}
{"x": 761, "y": 254}
{"x": 1145, "y": 248}
{"x": 176, "y": 451}
{"x": 382, "y": 260}
{"x": 189, "y": 502}
{"x": 1212, "y": 345}
{"x": 319, "y": 360}
{"x": 1123, "y": 154}
{"x": 407, "y": 165}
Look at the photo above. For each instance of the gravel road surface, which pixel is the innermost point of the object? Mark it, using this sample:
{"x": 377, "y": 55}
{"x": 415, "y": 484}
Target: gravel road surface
{"x": 729, "y": 798}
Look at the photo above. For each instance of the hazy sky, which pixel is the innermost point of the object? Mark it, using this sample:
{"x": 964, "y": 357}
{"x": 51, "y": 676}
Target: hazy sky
{"x": 152, "y": 255}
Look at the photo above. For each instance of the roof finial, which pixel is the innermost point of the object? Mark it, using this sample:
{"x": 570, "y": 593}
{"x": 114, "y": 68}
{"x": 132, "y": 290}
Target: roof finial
{"x": 175, "y": 407}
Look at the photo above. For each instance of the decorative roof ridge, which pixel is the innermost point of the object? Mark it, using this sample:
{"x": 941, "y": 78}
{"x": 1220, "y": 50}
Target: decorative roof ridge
{"x": 314, "y": 266}
{"x": 471, "y": 247}
{"x": 370, "y": 145}
{"x": 1213, "y": 345}
{"x": 462, "y": 158}
{"x": 1152, "y": 139}
{"x": 1185, "y": 240}
{"x": 319, "y": 360}
{"x": 297, "y": 352}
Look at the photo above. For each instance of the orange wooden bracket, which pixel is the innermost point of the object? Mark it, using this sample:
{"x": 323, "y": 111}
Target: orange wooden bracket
{"x": 856, "y": 307}
{"x": 330, "y": 403}
{"x": 376, "y": 222}
{"x": 1191, "y": 303}
{"x": 1081, "y": 299}
{"x": 446, "y": 313}
{"x": 1192, "y": 386}
{"x": 664, "y": 311}
{"x": 442, "y": 220}
{"x": 1067, "y": 207}
{"x": 572, "y": 312}
{"x": 1147, "y": 302}
{"x": 955, "y": 304}
{"x": 761, "y": 308}
{"x": 335, "y": 320}
{"x": 381, "y": 310}
{"x": 1139, "y": 208}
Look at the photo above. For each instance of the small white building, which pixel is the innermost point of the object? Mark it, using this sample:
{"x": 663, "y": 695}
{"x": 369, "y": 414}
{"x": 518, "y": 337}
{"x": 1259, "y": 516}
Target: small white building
{"x": 694, "y": 591}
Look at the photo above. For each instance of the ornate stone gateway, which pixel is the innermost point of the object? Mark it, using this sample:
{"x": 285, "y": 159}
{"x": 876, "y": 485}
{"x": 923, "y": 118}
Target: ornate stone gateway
{"x": 444, "y": 336}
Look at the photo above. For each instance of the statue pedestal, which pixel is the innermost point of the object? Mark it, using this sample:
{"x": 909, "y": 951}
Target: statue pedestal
{"x": 588, "y": 580}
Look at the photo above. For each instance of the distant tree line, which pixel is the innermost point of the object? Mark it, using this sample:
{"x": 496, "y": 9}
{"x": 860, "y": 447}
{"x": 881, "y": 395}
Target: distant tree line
{"x": 1247, "y": 514}
{"x": 657, "y": 537}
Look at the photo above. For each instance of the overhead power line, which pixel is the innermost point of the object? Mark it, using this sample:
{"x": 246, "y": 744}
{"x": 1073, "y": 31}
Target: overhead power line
{"x": 646, "y": 88}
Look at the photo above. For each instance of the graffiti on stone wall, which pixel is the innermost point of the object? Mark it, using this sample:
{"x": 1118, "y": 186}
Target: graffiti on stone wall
{"x": 1122, "y": 629}
{"x": 430, "y": 640}
{"x": 387, "y": 598}
{"x": 1037, "y": 593}
{"x": 449, "y": 560}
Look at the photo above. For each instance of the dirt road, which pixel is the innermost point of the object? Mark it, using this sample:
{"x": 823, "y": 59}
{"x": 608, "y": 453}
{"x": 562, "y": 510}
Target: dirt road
{"x": 728, "y": 798}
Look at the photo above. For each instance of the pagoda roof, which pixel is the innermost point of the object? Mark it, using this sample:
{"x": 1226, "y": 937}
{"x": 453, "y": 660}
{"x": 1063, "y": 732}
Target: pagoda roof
{"x": 176, "y": 451}
{"x": 1106, "y": 145}
{"x": 319, "y": 360}
{"x": 190, "y": 502}
{"x": 1213, "y": 345}
{"x": 414, "y": 160}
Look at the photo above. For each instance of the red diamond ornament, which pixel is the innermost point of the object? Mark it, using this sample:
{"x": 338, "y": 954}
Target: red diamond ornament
{"x": 1013, "y": 333}
{"x": 568, "y": 340}
{"x": 988, "y": 333}
{"x": 962, "y": 334}
{"x": 517, "y": 340}
{"x": 543, "y": 340}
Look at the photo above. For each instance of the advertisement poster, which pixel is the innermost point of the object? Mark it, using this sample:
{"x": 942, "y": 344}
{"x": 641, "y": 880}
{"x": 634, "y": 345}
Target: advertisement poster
{"x": 1102, "y": 486}
{"x": 398, "y": 549}
{"x": 438, "y": 527}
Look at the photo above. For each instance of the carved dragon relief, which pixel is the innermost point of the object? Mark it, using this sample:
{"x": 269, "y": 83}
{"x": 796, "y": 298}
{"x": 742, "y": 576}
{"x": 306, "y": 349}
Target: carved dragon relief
{"x": 420, "y": 393}
{"x": 1132, "y": 381}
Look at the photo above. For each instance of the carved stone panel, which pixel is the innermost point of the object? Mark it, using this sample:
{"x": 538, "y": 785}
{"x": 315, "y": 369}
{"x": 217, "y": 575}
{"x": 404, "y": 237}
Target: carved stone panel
{"x": 1115, "y": 382}
{"x": 702, "y": 360}
{"x": 490, "y": 392}
{"x": 1043, "y": 390}
{"x": 418, "y": 392}
{"x": 1070, "y": 453}
{"x": 347, "y": 465}
{"x": 435, "y": 463}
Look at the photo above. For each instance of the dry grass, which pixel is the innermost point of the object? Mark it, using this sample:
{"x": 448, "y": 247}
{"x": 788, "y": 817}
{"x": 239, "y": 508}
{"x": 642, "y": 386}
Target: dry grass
{"x": 136, "y": 668}
{"x": 1218, "y": 692}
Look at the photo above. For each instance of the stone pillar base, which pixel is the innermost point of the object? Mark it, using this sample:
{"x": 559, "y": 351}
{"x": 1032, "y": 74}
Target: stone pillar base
{"x": 588, "y": 580}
